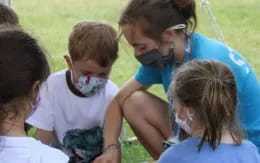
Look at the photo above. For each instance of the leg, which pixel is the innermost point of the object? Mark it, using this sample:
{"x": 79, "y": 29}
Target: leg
{"x": 148, "y": 117}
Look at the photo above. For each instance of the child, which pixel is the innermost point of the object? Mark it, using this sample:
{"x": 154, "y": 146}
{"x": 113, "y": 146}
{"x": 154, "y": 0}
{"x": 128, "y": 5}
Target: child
{"x": 75, "y": 100}
{"x": 8, "y": 16}
{"x": 205, "y": 101}
{"x": 23, "y": 68}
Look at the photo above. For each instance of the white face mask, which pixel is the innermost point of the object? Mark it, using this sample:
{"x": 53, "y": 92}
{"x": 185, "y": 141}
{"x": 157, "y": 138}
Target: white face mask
{"x": 90, "y": 85}
{"x": 183, "y": 123}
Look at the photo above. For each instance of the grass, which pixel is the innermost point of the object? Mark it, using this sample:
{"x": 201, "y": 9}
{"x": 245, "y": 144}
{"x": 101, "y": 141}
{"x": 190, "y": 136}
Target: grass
{"x": 51, "y": 21}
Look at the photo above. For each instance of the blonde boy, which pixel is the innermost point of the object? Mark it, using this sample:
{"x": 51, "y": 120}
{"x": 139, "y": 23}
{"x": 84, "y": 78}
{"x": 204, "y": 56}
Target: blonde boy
{"x": 75, "y": 100}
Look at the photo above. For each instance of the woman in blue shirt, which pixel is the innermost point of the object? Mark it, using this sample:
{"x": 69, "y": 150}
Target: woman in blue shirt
{"x": 205, "y": 101}
{"x": 162, "y": 36}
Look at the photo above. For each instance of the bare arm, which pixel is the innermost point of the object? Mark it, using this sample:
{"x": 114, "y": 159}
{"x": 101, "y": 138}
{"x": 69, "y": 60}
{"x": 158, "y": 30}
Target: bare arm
{"x": 113, "y": 121}
{"x": 44, "y": 136}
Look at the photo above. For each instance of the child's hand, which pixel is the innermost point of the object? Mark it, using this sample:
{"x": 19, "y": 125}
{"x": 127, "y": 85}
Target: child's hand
{"x": 110, "y": 156}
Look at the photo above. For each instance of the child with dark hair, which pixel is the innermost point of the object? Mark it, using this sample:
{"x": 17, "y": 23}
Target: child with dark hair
{"x": 205, "y": 106}
{"x": 23, "y": 67}
{"x": 74, "y": 101}
{"x": 8, "y": 16}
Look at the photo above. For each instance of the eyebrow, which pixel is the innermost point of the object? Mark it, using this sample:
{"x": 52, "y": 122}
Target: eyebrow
{"x": 138, "y": 44}
{"x": 105, "y": 71}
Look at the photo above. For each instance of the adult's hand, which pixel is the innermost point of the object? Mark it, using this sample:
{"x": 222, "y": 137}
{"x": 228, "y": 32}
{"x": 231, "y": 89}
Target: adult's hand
{"x": 183, "y": 3}
{"x": 110, "y": 156}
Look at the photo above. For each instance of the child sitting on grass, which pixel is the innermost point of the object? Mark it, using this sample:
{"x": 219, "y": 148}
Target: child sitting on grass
{"x": 205, "y": 102}
{"x": 23, "y": 67}
{"x": 73, "y": 101}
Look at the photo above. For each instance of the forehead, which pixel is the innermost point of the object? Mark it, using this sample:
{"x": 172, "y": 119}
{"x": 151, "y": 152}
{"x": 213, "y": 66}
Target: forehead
{"x": 88, "y": 65}
{"x": 134, "y": 34}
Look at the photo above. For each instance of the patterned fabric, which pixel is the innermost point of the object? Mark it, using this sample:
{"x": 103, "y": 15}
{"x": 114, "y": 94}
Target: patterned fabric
{"x": 83, "y": 146}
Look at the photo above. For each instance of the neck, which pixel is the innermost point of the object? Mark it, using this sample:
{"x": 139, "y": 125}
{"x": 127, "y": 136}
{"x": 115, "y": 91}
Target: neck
{"x": 179, "y": 47}
{"x": 226, "y": 137}
{"x": 14, "y": 127}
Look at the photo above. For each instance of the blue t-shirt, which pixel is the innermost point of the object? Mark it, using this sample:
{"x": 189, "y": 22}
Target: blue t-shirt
{"x": 248, "y": 86}
{"x": 187, "y": 152}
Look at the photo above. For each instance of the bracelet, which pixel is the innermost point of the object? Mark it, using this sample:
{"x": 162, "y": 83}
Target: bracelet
{"x": 111, "y": 146}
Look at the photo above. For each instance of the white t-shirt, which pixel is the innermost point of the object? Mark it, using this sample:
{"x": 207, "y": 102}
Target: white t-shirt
{"x": 61, "y": 109}
{"x": 28, "y": 150}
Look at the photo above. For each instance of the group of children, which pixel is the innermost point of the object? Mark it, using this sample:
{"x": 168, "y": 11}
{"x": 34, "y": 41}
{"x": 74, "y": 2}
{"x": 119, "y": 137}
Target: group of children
{"x": 68, "y": 108}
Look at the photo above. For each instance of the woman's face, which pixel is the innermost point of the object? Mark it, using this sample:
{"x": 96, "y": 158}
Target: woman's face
{"x": 135, "y": 37}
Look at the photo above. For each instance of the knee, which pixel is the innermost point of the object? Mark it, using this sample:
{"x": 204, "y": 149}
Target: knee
{"x": 134, "y": 104}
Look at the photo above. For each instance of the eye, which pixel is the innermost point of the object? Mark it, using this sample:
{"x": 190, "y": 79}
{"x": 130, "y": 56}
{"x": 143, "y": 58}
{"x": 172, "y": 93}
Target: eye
{"x": 141, "y": 48}
{"x": 85, "y": 73}
{"x": 103, "y": 75}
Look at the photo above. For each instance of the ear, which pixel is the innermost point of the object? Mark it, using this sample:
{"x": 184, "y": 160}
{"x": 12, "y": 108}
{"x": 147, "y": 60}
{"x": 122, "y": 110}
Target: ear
{"x": 168, "y": 35}
{"x": 36, "y": 85}
{"x": 68, "y": 61}
{"x": 185, "y": 110}
{"x": 188, "y": 109}
{"x": 35, "y": 90}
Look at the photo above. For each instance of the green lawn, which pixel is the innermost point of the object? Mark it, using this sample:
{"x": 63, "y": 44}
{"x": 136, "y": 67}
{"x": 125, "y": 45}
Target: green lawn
{"x": 51, "y": 22}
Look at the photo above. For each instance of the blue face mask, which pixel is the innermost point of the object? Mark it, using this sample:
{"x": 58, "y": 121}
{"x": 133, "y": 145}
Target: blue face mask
{"x": 154, "y": 59}
{"x": 89, "y": 86}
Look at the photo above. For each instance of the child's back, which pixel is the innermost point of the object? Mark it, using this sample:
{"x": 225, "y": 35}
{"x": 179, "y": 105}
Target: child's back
{"x": 187, "y": 152}
{"x": 205, "y": 103}
{"x": 28, "y": 150}
{"x": 23, "y": 68}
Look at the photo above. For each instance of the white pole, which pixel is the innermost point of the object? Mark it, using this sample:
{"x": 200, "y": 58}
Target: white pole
{"x": 212, "y": 20}
{"x": 5, "y": 2}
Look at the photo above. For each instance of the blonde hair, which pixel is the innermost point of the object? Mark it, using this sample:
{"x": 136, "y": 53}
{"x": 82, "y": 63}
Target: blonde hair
{"x": 210, "y": 88}
{"x": 94, "y": 40}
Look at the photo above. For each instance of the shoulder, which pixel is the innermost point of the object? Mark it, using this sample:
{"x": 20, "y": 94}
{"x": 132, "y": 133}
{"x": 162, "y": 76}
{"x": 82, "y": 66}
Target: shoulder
{"x": 111, "y": 85}
{"x": 54, "y": 81}
{"x": 57, "y": 76}
{"x": 111, "y": 88}
{"x": 179, "y": 151}
{"x": 50, "y": 155}
{"x": 249, "y": 146}
{"x": 207, "y": 48}
{"x": 54, "y": 155}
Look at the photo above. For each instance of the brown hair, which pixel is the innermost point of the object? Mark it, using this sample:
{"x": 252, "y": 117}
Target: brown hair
{"x": 155, "y": 16}
{"x": 210, "y": 88}
{"x": 94, "y": 40}
{"x": 22, "y": 63}
{"x": 8, "y": 16}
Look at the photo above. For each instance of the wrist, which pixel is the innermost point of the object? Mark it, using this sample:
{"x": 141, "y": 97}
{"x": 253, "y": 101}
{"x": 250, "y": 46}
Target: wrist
{"x": 112, "y": 146}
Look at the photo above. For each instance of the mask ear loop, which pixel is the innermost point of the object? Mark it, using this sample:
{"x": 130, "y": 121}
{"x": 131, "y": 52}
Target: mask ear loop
{"x": 178, "y": 26}
{"x": 189, "y": 115}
